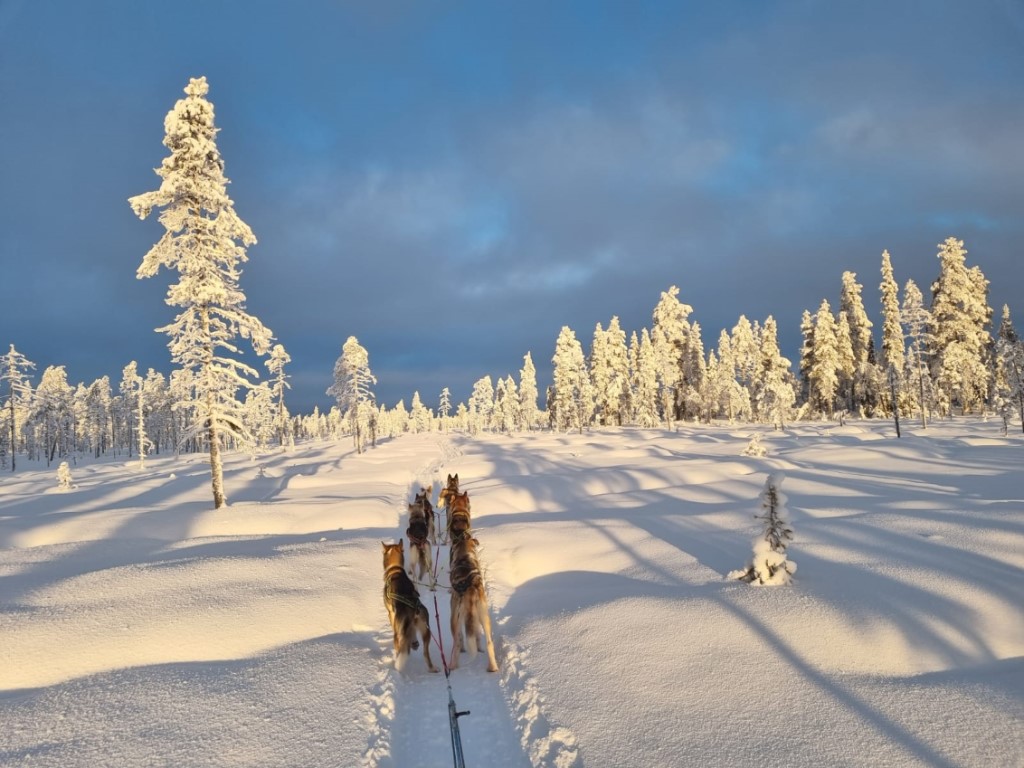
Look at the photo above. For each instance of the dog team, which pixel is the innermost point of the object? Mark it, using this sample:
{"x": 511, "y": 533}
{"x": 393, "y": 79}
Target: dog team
{"x": 410, "y": 621}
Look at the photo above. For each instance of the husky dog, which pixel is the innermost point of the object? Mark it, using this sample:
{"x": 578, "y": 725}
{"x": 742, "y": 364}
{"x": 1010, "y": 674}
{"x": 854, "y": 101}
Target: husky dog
{"x": 408, "y": 615}
{"x": 451, "y": 487}
{"x": 419, "y": 533}
{"x": 459, "y": 519}
{"x": 469, "y": 602}
{"x": 423, "y": 497}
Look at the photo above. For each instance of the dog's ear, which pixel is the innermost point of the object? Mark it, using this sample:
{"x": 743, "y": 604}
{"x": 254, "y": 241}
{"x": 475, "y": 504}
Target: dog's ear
{"x": 456, "y": 478}
{"x": 384, "y": 546}
{"x": 401, "y": 545}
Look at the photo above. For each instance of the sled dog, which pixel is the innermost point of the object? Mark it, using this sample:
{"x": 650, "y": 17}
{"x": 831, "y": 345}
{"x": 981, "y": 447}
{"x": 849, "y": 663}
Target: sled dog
{"x": 459, "y": 518}
{"x": 423, "y": 497}
{"x": 419, "y": 533}
{"x": 469, "y": 602}
{"x": 444, "y": 498}
{"x": 408, "y": 615}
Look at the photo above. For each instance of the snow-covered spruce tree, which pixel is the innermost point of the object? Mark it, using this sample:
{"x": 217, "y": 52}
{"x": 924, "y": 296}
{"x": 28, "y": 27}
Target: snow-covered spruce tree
{"x": 97, "y": 415}
{"x": 755, "y": 448}
{"x": 573, "y": 393}
{"x": 961, "y": 318}
{"x": 609, "y": 372}
{"x": 14, "y": 368}
{"x": 444, "y": 408}
{"x": 135, "y": 402}
{"x": 917, "y": 321}
{"x": 863, "y": 393}
{"x": 670, "y": 339}
{"x": 64, "y": 480}
{"x": 806, "y": 356}
{"x": 735, "y": 398}
{"x": 645, "y": 383}
{"x": 1009, "y": 359}
{"x": 278, "y": 359}
{"x": 205, "y": 243}
{"x": 481, "y": 404}
{"x": 823, "y": 374}
{"x": 770, "y": 565}
{"x": 695, "y": 368}
{"x": 528, "y": 394}
{"x": 893, "y": 350}
{"x": 846, "y": 366}
{"x": 511, "y": 410}
{"x": 420, "y": 417}
{"x": 52, "y": 413}
{"x": 773, "y": 382}
{"x": 745, "y": 354}
{"x": 260, "y": 417}
{"x": 353, "y": 389}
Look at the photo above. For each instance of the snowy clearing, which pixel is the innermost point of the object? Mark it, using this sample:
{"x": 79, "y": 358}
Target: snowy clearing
{"x": 139, "y": 627}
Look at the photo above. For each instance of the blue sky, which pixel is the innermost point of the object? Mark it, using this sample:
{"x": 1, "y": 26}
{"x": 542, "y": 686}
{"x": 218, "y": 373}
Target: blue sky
{"x": 454, "y": 182}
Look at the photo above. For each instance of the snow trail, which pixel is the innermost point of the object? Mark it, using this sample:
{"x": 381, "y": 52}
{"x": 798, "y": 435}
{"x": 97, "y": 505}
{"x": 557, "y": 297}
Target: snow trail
{"x": 412, "y": 727}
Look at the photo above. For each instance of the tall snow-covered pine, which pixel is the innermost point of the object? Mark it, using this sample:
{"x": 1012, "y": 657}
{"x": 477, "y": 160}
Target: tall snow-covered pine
{"x": 205, "y": 241}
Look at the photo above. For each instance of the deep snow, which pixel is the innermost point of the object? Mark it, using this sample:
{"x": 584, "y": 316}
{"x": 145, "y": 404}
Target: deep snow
{"x": 140, "y": 628}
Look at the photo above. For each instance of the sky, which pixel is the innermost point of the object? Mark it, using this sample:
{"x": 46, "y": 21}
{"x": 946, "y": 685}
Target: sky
{"x": 452, "y": 183}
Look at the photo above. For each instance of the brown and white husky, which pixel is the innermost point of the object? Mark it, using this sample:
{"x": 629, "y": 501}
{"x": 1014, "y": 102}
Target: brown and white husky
{"x": 420, "y": 532}
{"x": 469, "y": 602}
{"x": 444, "y": 498}
{"x": 459, "y": 516}
{"x": 408, "y": 615}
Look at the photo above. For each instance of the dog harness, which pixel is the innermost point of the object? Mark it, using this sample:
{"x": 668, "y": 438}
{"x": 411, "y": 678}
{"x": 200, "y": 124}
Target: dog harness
{"x": 389, "y": 577}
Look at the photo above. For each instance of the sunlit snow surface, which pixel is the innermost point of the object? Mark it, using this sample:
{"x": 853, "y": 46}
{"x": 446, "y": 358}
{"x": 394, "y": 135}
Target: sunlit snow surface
{"x": 139, "y": 627}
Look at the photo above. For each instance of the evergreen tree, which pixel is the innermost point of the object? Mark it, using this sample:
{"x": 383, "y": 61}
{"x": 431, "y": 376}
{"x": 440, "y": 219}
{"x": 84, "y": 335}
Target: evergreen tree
{"x": 863, "y": 388}
{"x": 353, "y": 389}
{"x": 444, "y": 407}
{"x": 205, "y": 242}
{"x": 481, "y": 404}
{"x": 135, "y": 403}
{"x": 573, "y": 392}
{"x": 694, "y": 371}
{"x": 53, "y": 413}
{"x": 670, "y": 337}
{"x": 893, "y": 351}
{"x": 823, "y": 375}
{"x": 961, "y": 318}
{"x": 609, "y": 372}
{"x": 419, "y": 415}
{"x": 735, "y": 397}
{"x": 14, "y": 368}
{"x": 645, "y": 386}
{"x": 806, "y": 355}
{"x": 507, "y": 416}
{"x": 260, "y": 417}
{"x": 97, "y": 416}
{"x": 1010, "y": 370}
{"x": 774, "y": 388}
{"x": 917, "y": 322}
{"x": 275, "y": 363}
{"x": 846, "y": 365}
{"x": 770, "y": 565}
{"x": 745, "y": 356}
{"x": 528, "y": 393}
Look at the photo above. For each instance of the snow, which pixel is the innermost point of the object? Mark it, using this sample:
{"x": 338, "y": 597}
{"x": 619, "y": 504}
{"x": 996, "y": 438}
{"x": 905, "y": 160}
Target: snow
{"x": 140, "y": 627}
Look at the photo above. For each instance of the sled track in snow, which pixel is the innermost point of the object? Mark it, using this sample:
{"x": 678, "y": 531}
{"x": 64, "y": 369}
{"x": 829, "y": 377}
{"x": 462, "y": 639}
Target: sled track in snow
{"x": 408, "y": 720}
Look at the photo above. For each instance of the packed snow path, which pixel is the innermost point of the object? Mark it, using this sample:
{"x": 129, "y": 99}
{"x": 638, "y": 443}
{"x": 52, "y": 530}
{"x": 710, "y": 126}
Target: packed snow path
{"x": 412, "y": 728}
